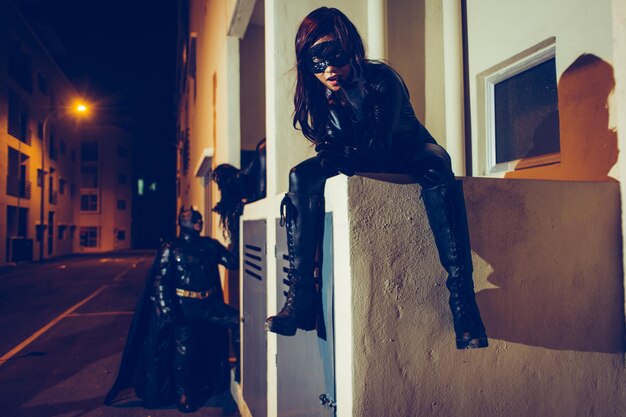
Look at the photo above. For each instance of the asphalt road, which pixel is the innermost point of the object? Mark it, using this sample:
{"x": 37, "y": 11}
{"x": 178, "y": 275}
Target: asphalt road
{"x": 63, "y": 325}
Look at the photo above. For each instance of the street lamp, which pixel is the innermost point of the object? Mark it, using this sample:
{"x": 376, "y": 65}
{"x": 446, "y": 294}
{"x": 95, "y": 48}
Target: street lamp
{"x": 79, "y": 109}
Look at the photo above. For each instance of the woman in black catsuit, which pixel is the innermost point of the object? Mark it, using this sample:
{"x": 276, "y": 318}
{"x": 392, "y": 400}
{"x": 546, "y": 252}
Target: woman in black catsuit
{"x": 357, "y": 113}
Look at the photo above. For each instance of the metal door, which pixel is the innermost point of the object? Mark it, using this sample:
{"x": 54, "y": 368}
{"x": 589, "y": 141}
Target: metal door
{"x": 306, "y": 371}
{"x": 254, "y": 346}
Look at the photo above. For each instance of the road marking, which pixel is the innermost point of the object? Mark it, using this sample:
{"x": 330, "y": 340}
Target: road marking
{"x": 48, "y": 326}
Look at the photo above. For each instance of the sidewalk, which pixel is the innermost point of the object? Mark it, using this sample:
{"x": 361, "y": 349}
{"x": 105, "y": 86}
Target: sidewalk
{"x": 28, "y": 265}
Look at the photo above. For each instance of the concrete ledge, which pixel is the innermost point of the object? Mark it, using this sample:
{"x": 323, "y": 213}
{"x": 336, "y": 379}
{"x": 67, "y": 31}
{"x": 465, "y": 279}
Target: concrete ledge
{"x": 549, "y": 283}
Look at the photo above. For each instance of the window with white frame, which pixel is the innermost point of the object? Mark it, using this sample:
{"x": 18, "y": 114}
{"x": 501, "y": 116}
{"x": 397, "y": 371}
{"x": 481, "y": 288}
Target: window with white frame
{"x": 521, "y": 111}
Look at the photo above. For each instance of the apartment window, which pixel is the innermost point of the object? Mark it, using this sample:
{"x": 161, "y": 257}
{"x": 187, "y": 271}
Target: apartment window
{"x": 17, "y": 172}
{"x": 121, "y": 204}
{"x": 62, "y": 230}
{"x": 89, "y": 176}
{"x": 89, "y": 151}
{"x": 62, "y": 186}
{"x": 522, "y": 117}
{"x": 121, "y": 235}
{"x": 184, "y": 155}
{"x": 88, "y": 202}
{"x": 40, "y": 175}
{"x": 20, "y": 65}
{"x": 18, "y": 115}
{"x": 121, "y": 178}
{"x": 39, "y": 130}
{"x": 89, "y": 237}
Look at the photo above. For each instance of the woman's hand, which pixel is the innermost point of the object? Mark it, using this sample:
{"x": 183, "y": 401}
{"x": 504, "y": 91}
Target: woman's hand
{"x": 336, "y": 156}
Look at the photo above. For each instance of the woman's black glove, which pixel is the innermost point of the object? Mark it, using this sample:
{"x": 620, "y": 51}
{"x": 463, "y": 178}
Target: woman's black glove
{"x": 338, "y": 157}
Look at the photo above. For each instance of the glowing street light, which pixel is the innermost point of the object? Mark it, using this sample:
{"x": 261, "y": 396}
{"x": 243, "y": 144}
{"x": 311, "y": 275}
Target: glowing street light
{"x": 79, "y": 109}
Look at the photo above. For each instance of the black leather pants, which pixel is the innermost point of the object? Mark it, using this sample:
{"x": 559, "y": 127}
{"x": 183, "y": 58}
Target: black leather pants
{"x": 430, "y": 166}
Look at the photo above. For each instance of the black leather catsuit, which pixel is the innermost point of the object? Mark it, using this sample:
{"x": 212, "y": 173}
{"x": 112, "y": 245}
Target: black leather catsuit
{"x": 387, "y": 137}
{"x": 371, "y": 128}
{"x": 190, "y": 263}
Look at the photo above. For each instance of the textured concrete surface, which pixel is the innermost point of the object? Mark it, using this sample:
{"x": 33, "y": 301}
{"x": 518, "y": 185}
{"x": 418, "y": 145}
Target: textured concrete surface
{"x": 548, "y": 276}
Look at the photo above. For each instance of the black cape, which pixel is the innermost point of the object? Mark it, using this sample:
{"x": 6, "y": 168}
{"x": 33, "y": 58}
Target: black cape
{"x": 147, "y": 360}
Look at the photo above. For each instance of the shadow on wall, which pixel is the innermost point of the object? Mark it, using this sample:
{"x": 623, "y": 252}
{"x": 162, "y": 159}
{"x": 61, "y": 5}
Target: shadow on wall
{"x": 553, "y": 250}
{"x": 588, "y": 144}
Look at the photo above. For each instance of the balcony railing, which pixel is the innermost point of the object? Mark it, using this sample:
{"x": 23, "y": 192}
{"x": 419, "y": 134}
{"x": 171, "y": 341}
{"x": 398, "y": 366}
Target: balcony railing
{"x": 18, "y": 187}
{"x": 19, "y": 130}
{"x": 54, "y": 196}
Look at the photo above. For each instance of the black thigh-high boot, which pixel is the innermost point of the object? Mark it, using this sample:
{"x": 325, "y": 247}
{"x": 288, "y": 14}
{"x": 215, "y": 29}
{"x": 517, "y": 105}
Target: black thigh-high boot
{"x": 445, "y": 208}
{"x": 302, "y": 220}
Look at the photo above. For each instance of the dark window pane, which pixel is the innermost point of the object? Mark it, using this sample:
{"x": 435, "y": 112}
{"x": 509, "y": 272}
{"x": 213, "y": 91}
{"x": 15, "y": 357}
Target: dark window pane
{"x": 527, "y": 114}
{"x": 89, "y": 151}
{"x": 89, "y": 176}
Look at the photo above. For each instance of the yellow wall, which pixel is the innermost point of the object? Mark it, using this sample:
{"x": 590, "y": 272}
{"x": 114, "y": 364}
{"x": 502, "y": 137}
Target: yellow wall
{"x": 252, "y": 69}
{"x": 213, "y": 102}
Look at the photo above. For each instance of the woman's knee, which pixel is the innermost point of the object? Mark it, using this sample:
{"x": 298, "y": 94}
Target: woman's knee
{"x": 433, "y": 166}
{"x": 307, "y": 178}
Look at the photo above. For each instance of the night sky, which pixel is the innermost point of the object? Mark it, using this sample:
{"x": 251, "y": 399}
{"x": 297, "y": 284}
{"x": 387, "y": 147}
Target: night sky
{"x": 121, "y": 55}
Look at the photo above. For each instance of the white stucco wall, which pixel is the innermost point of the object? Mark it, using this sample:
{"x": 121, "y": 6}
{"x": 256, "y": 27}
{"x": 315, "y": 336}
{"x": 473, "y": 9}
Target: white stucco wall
{"x": 549, "y": 284}
{"x": 500, "y": 30}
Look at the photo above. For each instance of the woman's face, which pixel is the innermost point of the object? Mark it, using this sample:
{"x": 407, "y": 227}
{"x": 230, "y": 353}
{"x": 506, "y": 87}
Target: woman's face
{"x": 329, "y": 63}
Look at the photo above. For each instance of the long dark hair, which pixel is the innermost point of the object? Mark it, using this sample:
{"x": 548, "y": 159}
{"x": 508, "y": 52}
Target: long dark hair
{"x": 310, "y": 100}
{"x": 230, "y": 207}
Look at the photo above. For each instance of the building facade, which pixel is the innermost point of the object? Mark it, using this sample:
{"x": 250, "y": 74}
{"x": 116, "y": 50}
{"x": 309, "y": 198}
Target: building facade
{"x": 516, "y": 94}
{"x": 34, "y": 97}
{"x": 105, "y": 197}
{"x": 55, "y": 198}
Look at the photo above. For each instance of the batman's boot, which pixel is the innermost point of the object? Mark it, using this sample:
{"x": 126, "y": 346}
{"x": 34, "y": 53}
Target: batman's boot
{"x": 445, "y": 208}
{"x": 182, "y": 369}
{"x": 302, "y": 219}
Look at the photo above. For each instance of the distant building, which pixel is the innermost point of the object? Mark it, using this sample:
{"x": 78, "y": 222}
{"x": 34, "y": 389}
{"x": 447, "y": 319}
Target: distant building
{"x": 84, "y": 205}
{"x": 32, "y": 90}
{"x": 105, "y": 197}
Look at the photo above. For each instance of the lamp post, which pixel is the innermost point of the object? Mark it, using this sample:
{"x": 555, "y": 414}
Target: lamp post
{"x": 79, "y": 109}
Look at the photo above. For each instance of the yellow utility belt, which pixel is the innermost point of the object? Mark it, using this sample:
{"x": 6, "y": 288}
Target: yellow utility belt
{"x": 194, "y": 294}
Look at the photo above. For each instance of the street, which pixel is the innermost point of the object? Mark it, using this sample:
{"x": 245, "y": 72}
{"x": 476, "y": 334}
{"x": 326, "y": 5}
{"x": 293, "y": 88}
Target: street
{"x": 63, "y": 326}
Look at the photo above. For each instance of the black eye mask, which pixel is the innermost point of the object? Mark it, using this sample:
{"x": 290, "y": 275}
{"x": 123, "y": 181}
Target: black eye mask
{"x": 325, "y": 54}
